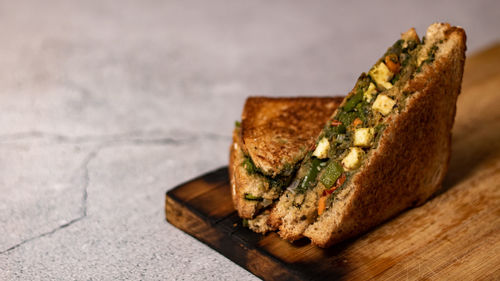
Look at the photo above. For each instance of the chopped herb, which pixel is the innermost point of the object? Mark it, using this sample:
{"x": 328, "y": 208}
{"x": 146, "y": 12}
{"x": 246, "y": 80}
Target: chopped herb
{"x": 310, "y": 178}
{"x": 353, "y": 101}
{"x": 431, "y": 55}
{"x": 379, "y": 128}
{"x": 411, "y": 44}
{"x": 338, "y": 189}
{"x": 363, "y": 81}
{"x": 249, "y": 165}
{"x": 360, "y": 109}
{"x": 397, "y": 48}
{"x": 330, "y": 131}
{"x": 405, "y": 59}
{"x": 251, "y": 197}
{"x": 341, "y": 129}
{"x": 344, "y": 141}
{"x": 287, "y": 169}
{"x": 244, "y": 223}
{"x": 331, "y": 174}
{"x": 237, "y": 124}
{"x": 347, "y": 117}
{"x": 396, "y": 78}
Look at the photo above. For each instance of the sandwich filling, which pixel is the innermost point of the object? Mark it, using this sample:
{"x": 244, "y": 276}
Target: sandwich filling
{"x": 270, "y": 187}
{"x": 354, "y": 131}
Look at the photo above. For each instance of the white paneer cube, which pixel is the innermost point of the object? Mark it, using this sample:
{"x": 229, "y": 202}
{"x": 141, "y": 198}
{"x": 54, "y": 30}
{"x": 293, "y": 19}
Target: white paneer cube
{"x": 383, "y": 104}
{"x": 368, "y": 94}
{"x": 363, "y": 137}
{"x": 422, "y": 55}
{"x": 353, "y": 159}
{"x": 321, "y": 150}
{"x": 382, "y": 75}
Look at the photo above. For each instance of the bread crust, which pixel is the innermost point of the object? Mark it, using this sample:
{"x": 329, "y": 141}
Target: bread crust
{"x": 239, "y": 180}
{"x": 413, "y": 154}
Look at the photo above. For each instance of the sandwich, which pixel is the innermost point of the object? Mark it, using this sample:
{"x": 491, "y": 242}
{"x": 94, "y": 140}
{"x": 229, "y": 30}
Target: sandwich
{"x": 273, "y": 137}
{"x": 387, "y": 146}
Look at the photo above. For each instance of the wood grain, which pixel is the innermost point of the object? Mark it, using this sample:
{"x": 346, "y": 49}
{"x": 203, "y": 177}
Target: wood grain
{"x": 456, "y": 235}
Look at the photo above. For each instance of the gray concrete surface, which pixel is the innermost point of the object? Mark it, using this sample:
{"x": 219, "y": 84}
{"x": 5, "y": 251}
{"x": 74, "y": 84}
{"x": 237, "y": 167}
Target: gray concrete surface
{"x": 106, "y": 105}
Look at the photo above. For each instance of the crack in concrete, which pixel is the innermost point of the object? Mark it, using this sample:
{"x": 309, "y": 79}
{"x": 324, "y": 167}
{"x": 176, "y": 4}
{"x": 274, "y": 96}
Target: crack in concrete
{"x": 173, "y": 141}
{"x": 42, "y": 235}
{"x": 86, "y": 177}
{"x": 58, "y": 138}
{"x": 135, "y": 136}
{"x": 86, "y": 182}
{"x": 92, "y": 155}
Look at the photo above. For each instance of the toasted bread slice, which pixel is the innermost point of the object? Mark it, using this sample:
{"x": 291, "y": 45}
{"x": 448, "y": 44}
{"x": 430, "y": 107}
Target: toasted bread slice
{"x": 389, "y": 169}
{"x": 278, "y": 133}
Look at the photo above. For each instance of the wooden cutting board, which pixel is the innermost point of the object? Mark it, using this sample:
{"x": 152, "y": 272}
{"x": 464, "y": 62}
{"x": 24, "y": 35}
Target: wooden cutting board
{"x": 454, "y": 236}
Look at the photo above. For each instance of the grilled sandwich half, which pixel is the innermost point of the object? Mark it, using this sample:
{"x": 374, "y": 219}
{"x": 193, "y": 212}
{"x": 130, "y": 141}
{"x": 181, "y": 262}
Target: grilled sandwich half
{"x": 268, "y": 145}
{"x": 385, "y": 149}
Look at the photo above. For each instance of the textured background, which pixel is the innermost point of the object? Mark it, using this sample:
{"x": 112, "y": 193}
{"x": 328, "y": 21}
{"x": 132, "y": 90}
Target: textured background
{"x": 106, "y": 105}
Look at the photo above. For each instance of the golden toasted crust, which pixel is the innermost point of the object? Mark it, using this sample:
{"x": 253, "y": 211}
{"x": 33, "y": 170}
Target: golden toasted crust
{"x": 240, "y": 180}
{"x": 270, "y": 113}
{"x": 277, "y": 132}
{"x": 413, "y": 154}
